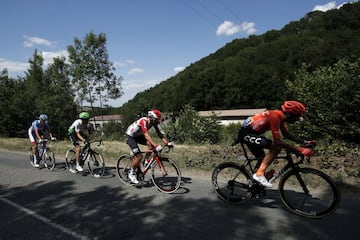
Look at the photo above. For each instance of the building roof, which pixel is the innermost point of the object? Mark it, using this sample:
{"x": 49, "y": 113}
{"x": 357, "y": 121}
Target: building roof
{"x": 115, "y": 117}
{"x": 232, "y": 113}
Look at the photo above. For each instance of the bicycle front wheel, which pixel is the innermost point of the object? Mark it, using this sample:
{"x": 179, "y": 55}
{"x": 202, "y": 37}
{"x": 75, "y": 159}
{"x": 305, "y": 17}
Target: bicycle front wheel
{"x": 31, "y": 157}
{"x": 165, "y": 175}
{"x": 123, "y": 166}
{"x": 231, "y": 182}
{"x": 309, "y": 193}
{"x": 49, "y": 160}
{"x": 96, "y": 164}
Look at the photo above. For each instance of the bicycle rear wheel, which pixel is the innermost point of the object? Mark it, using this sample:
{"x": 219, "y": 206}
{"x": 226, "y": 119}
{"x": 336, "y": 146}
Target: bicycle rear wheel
{"x": 167, "y": 178}
{"x": 231, "y": 182}
{"x": 49, "y": 160}
{"x": 96, "y": 164}
{"x": 123, "y": 168}
{"x": 309, "y": 193}
{"x": 70, "y": 160}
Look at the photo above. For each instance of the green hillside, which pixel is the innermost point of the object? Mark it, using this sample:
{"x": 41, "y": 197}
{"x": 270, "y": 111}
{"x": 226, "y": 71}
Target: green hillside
{"x": 251, "y": 72}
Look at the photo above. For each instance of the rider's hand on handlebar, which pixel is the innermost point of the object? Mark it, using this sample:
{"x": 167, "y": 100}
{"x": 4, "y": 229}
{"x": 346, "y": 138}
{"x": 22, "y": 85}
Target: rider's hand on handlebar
{"x": 86, "y": 142}
{"x": 53, "y": 138}
{"x": 170, "y": 145}
{"x": 158, "y": 148}
{"x": 307, "y": 152}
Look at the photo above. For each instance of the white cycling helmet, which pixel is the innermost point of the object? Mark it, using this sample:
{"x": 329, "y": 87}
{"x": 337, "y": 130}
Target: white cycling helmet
{"x": 154, "y": 113}
{"x": 43, "y": 117}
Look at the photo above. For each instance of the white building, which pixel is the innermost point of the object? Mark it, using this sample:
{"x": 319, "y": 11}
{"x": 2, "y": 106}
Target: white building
{"x": 227, "y": 117}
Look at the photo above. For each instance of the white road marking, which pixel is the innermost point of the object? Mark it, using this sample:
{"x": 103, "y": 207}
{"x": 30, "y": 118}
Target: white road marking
{"x": 44, "y": 219}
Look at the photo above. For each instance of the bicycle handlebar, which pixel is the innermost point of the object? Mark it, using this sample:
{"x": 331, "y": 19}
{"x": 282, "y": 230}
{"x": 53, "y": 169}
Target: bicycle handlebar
{"x": 100, "y": 141}
{"x": 45, "y": 140}
{"x": 153, "y": 150}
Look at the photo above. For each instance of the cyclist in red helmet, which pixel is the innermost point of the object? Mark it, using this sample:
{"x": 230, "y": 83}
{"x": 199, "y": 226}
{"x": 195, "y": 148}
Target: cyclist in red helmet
{"x": 253, "y": 128}
{"x": 138, "y": 133}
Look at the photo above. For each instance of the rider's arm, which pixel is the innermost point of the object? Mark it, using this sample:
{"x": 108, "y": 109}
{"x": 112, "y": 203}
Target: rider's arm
{"x": 149, "y": 139}
{"x": 276, "y": 128}
{"x": 79, "y": 136}
{"x": 37, "y": 134}
{"x": 161, "y": 135}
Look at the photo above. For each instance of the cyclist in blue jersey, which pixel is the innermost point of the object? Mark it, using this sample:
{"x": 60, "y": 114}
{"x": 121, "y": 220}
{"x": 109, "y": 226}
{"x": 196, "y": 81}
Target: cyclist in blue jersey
{"x": 36, "y": 133}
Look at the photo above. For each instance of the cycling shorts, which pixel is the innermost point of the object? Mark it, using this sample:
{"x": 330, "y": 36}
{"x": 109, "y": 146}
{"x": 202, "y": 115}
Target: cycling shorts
{"x": 255, "y": 142}
{"x": 133, "y": 143}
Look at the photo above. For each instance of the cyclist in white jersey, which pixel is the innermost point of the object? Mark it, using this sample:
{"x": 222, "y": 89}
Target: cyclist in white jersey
{"x": 76, "y": 133}
{"x": 138, "y": 133}
{"x": 36, "y": 133}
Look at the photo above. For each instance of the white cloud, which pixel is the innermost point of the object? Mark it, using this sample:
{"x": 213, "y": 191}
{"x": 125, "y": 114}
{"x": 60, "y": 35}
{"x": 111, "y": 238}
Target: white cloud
{"x": 229, "y": 28}
{"x": 49, "y": 56}
{"x": 32, "y": 41}
{"x": 248, "y": 27}
{"x": 135, "y": 71}
{"x": 18, "y": 68}
{"x": 325, "y": 7}
{"x": 179, "y": 69}
{"x": 123, "y": 64}
{"x": 13, "y": 66}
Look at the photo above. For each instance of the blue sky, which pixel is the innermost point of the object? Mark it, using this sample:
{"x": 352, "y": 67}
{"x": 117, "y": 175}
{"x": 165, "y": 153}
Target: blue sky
{"x": 148, "y": 41}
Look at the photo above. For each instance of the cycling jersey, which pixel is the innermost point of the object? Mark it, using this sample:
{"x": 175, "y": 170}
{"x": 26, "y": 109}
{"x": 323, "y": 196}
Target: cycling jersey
{"x": 142, "y": 126}
{"x": 268, "y": 120}
{"x": 78, "y": 126}
{"x": 36, "y": 125}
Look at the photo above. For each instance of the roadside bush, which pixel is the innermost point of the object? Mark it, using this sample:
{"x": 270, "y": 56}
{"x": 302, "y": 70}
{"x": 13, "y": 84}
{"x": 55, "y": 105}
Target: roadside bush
{"x": 114, "y": 131}
{"x": 191, "y": 128}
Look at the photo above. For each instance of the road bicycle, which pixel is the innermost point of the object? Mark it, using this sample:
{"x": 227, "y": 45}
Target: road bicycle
{"x": 304, "y": 191}
{"x": 165, "y": 175}
{"x": 46, "y": 156}
{"x": 95, "y": 161}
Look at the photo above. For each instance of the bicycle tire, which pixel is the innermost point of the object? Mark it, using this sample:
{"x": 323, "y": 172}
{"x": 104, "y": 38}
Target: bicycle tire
{"x": 231, "y": 182}
{"x": 31, "y": 157}
{"x": 70, "y": 160}
{"x": 96, "y": 164}
{"x": 323, "y": 196}
{"x": 170, "y": 182}
{"x": 49, "y": 160}
{"x": 122, "y": 169}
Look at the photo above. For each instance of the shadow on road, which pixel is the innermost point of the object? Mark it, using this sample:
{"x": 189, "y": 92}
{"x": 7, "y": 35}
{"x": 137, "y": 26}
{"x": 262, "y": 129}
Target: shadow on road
{"x": 121, "y": 213}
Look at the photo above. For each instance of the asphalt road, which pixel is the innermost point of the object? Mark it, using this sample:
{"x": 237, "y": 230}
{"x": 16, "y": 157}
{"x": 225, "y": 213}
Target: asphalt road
{"x": 39, "y": 204}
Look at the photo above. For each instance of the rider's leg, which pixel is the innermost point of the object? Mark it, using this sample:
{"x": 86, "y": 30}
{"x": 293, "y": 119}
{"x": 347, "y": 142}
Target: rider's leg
{"x": 268, "y": 159}
{"x": 77, "y": 153}
{"x": 137, "y": 160}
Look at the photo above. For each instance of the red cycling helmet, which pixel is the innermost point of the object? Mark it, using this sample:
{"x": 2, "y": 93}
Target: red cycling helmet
{"x": 154, "y": 113}
{"x": 293, "y": 108}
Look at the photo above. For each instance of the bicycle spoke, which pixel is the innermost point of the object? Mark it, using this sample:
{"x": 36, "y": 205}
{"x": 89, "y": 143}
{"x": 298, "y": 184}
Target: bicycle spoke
{"x": 96, "y": 164}
{"x": 231, "y": 182}
{"x": 166, "y": 176}
{"x": 70, "y": 160}
{"x": 123, "y": 168}
{"x": 316, "y": 197}
{"x": 49, "y": 160}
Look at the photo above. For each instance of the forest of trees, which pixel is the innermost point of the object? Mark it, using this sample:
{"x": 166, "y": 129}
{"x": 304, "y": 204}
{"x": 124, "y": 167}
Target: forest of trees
{"x": 60, "y": 89}
{"x": 314, "y": 60}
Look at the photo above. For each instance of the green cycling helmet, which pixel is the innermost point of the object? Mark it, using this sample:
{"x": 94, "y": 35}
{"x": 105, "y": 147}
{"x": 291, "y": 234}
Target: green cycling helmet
{"x": 84, "y": 115}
